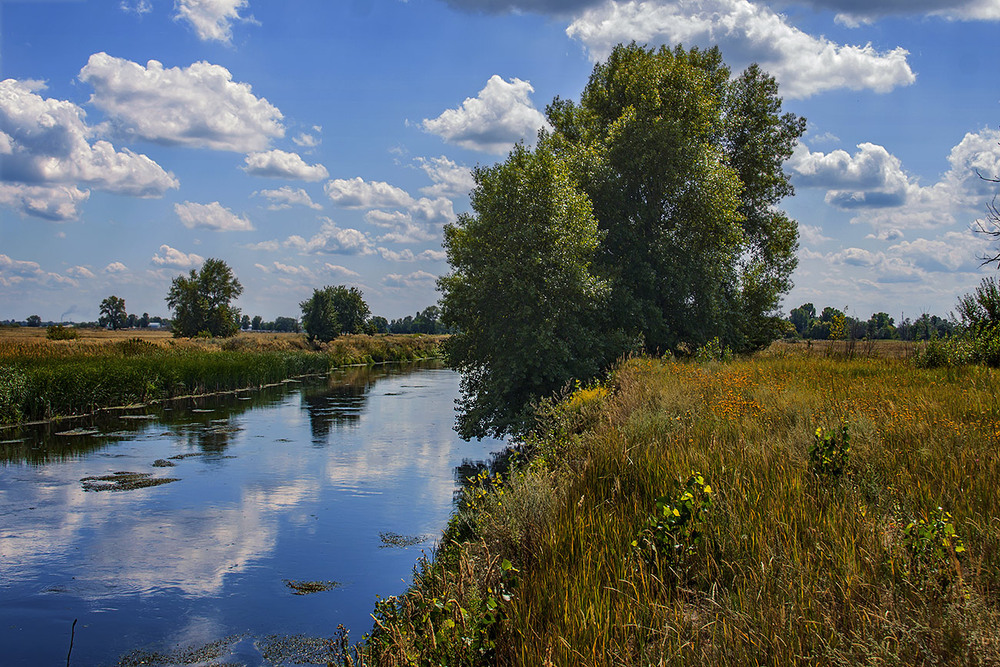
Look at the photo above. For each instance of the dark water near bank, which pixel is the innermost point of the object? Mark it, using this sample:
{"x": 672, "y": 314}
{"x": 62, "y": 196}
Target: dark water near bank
{"x": 343, "y": 481}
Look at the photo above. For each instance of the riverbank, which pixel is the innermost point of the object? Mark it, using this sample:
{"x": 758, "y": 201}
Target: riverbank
{"x": 46, "y": 379}
{"x": 720, "y": 514}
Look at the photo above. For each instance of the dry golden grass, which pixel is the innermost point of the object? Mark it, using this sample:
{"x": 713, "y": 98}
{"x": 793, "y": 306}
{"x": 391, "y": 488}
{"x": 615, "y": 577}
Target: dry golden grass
{"x": 793, "y": 569}
{"x": 31, "y": 342}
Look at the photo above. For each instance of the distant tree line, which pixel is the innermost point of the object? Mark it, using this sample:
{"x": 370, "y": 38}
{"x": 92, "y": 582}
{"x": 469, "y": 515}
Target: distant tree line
{"x": 280, "y": 324}
{"x": 834, "y": 323}
{"x": 427, "y": 321}
{"x": 201, "y": 305}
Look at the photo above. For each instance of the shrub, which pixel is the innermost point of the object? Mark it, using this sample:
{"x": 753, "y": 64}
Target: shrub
{"x": 13, "y": 391}
{"x": 59, "y": 332}
{"x": 675, "y": 530}
{"x": 713, "y": 351}
{"x": 829, "y": 452}
{"x": 933, "y": 549}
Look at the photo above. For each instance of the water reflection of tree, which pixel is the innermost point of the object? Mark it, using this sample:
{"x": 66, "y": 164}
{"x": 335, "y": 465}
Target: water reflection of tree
{"x": 42, "y": 443}
{"x": 341, "y": 402}
{"x": 39, "y": 443}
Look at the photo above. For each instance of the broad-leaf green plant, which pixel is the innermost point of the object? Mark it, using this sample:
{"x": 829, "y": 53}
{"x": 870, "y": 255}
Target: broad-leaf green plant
{"x": 830, "y": 452}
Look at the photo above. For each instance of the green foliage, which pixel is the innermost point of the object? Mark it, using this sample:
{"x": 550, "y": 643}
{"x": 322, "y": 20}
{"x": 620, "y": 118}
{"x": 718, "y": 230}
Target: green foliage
{"x": 521, "y": 293}
{"x": 34, "y": 321}
{"x": 676, "y": 529}
{"x": 978, "y": 341}
{"x": 113, "y": 313}
{"x": 201, "y": 301}
{"x": 683, "y": 166}
{"x": 713, "y": 351}
{"x": 332, "y": 311}
{"x": 645, "y": 218}
{"x": 13, "y": 394}
{"x": 981, "y": 308}
{"x": 933, "y": 549}
{"x": 802, "y": 318}
{"x": 59, "y": 332}
{"x": 136, "y": 347}
{"x": 452, "y": 628}
{"x": 426, "y": 321}
{"x": 136, "y": 371}
{"x": 830, "y": 452}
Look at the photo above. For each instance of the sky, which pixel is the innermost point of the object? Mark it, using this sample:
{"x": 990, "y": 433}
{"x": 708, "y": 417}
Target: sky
{"x": 326, "y": 142}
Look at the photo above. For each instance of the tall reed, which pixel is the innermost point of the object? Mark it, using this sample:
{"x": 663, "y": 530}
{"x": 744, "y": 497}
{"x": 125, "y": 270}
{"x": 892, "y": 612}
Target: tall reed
{"x": 42, "y": 379}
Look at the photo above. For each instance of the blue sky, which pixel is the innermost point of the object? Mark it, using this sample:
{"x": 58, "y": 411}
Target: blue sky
{"x": 311, "y": 142}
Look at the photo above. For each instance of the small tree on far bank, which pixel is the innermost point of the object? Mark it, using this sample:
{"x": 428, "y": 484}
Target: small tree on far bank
{"x": 201, "y": 301}
{"x": 332, "y": 311}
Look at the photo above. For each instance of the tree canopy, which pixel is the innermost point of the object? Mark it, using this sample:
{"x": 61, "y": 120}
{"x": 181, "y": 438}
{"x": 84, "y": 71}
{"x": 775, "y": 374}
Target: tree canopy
{"x": 332, "y": 311}
{"x": 201, "y": 301}
{"x": 521, "y": 292}
{"x": 644, "y": 218}
{"x": 113, "y": 312}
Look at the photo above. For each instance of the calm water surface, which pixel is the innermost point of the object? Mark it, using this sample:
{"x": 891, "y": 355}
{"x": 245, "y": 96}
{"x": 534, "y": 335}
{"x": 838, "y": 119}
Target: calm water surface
{"x": 304, "y": 482}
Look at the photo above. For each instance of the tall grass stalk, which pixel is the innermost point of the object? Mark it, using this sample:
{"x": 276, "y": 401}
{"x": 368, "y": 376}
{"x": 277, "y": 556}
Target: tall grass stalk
{"x": 41, "y": 379}
{"x": 791, "y": 567}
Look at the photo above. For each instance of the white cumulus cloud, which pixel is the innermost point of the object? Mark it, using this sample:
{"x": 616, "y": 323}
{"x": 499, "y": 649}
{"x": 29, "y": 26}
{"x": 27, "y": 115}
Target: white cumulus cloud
{"x": 871, "y": 178}
{"x": 173, "y": 257}
{"x": 47, "y": 154}
{"x": 341, "y": 271}
{"x": 197, "y": 106}
{"x": 417, "y": 278}
{"x": 50, "y": 202}
{"x": 493, "y": 121}
{"x": 953, "y": 251}
{"x": 118, "y": 267}
{"x": 286, "y": 197}
{"x": 282, "y": 164}
{"x": 854, "y": 13}
{"x": 333, "y": 240}
{"x": 747, "y": 32}
{"x": 211, "y": 216}
{"x": 873, "y": 183}
{"x": 211, "y": 19}
{"x": 400, "y": 227}
{"x": 286, "y": 269}
{"x": 450, "y": 179}
{"x": 80, "y": 272}
{"x": 306, "y": 140}
{"x": 15, "y": 272}
{"x": 359, "y": 193}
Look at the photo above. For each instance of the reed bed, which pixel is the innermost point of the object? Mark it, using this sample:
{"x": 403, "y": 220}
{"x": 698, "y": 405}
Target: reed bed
{"x": 787, "y": 566}
{"x": 43, "y": 379}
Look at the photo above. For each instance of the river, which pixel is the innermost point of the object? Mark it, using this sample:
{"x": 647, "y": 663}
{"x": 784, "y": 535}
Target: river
{"x": 231, "y": 523}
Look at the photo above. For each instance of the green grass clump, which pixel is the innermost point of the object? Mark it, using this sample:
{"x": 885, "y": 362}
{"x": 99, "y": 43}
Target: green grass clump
{"x": 773, "y": 564}
{"x": 39, "y": 382}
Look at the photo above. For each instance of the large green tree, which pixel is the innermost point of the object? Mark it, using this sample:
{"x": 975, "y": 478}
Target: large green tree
{"x": 113, "y": 312}
{"x": 679, "y": 166}
{"x": 201, "y": 301}
{"x": 332, "y": 311}
{"x": 521, "y": 292}
{"x": 683, "y": 165}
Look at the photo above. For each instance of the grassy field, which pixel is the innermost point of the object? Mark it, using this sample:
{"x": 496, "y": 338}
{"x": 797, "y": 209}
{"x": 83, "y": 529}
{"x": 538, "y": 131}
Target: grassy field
{"x": 675, "y": 515}
{"x": 43, "y": 379}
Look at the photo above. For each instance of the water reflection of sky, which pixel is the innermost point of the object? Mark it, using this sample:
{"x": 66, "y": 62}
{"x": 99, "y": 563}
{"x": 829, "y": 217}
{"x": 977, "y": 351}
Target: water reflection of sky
{"x": 295, "y": 484}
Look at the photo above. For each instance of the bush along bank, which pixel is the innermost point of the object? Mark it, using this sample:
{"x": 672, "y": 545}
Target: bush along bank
{"x": 784, "y": 510}
{"x": 36, "y": 385}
